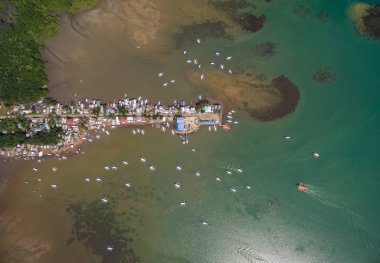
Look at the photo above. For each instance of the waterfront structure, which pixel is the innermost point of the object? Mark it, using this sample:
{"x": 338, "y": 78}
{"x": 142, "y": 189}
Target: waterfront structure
{"x": 81, "y": 116}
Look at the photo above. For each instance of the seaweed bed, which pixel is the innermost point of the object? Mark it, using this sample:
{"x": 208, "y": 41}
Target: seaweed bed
{"x": 96, "y": 224}
{"x": 371, "y": 22}
{"x": 266, "y": 49}
{"x": 208, "y": 29}
{"x": 288, "y": 103}
{"x": 324, "y": 75}
{"x": 250, "y": 22}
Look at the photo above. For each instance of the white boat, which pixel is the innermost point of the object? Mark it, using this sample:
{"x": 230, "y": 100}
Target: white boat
{"x": 97, "y": 137}
{"x": 217, "y": 54}
{"x": 39, "y": 180}
{"x": 173, "y": 132}
{"x": 204, "y": 223}
{"x": 199, "y": 66}
{"x": 54, "y": 169}
{"x": 35, "y": 170}
{"x": 209, "y": 128}
{"x": 195, "y": 61}
{"x": 98, "y": 179}
{"x": 221, "y": 66}
{"x": 87, "y": 179}
{"x": 64, "y": 158}
{"x": 114, "y": 167}
{"x": 54, "y": 186}
{"x": 228, "y": 58}
{"x": 198, "y": 40}
{"x": 189, "y": 61}
{"x": 179, "y": 167}
{"x": 184, "y": 52}
{"x": 143, "y": 159}
{"x": 236, "y": 122}
{"x": 160, "y": 75}
{"x": 239, "y": 170}
{"x": 202, "y": 76}
{"x": 127, "y": 184}
{"x": 183, "y": 203}
{"x": 138, "y": 130}
{"x": 316, "y": 154}
{"x": 229, "y": 172}
{"x": 152, "y": 167}
{"x": 142, "y": 132}
{"x": 218, "y": 179}
{"x": 172, "y": 81}
{"x": 248, "y": 187}
{"x": 125, "y": 162}
{"x": 193, "y": 150}
{"x": 105, "y": 200}
{"x": 212, "y": 63}
{"x": 197, "y": 173}
{"x": 215, "y": 128}
{"x": 109, "y": 248}
{"x": 229, "y": 117}
{"x": 232, "y": 189}
{"x": 287, "y": 137}
{"x": 106, "y": 168}
{"x": 230, "y": 71}
{"x": 107, "y": 132}
{"x": 177, "y": 185}
{"x": 163, "y": 129}
{"x": 165, "y": 84}
{"x": 229, "y": 121}
{"x": 167, "y": 125}
{"x": 232, "y": 111}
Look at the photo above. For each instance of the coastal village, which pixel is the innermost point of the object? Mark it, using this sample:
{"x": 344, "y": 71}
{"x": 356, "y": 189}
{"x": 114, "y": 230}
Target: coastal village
{"x": 81, "y": 118}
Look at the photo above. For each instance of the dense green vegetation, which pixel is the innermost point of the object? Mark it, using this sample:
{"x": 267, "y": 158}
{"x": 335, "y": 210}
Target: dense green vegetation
{"x": 40, "y": 138}
{"x": 22, "y": 75}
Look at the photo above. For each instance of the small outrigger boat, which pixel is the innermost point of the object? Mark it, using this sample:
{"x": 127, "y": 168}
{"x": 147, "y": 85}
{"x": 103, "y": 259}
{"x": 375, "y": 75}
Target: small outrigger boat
{"x": 125, "y": 162}
{"x": 177, "y": 185}
{"x": 218, "y": 179}
{"x": 127, "y": 184}
{"x": 302, "y": 187}
{"x": 142, "y": 159}
{"x": 152, "y": 167}
{"x": 183, "y": 203}
{"x": 179, "y": 167}
{"x": 226, "y": 126}
{"x": 316, "y": 154}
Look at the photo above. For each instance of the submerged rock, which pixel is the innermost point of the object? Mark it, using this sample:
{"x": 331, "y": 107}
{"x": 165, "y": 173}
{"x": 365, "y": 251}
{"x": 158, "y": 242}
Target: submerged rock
{"x": 188, "y": 33}
{"x": 324, "y": 75}
{"x": 264, "y": 100}
{"x": 301, "y": 11}
{"x": 265, "y": 49}
{"x": 250, "y": 22}
{"x": 366, "y": 18}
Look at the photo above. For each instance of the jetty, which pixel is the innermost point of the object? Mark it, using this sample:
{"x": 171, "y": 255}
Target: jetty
{"x": 78, "y": 118}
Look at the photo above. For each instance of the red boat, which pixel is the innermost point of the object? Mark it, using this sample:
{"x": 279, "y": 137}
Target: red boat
{"x": 302, "y": 187}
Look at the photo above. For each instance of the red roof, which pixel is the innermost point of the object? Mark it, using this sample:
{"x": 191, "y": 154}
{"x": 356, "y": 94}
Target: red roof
{"x": 69, "y": 122}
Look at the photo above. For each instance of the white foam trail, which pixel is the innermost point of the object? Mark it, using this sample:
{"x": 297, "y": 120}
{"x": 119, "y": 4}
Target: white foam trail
{"x": 355, "y": 220}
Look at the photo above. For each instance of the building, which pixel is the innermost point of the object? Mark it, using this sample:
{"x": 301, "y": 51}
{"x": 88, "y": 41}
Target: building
{"x": 180, "y": 123}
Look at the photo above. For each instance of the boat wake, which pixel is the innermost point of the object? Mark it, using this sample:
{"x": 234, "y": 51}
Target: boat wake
{"x": 257, "y": 256}
{"x": 361, "y": 228}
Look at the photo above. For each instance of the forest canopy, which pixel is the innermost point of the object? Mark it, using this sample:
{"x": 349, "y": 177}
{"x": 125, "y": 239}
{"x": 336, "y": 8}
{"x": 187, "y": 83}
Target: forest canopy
{"x": 24, "y": 25}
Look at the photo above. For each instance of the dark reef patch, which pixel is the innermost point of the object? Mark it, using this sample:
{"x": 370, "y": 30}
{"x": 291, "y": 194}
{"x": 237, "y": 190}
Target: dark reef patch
{"x": 266, "y": 49}
{"x": 371, "y": 22}
{"x": 290, "y": 97}
{"x": 250, "y": 22}
{"x": 302, "y": 11}
{"x": 324, "y": 75}
{"x": 323, "y": 16}
{"x": 189, "y": 33}
{"x": 96, "y": 224}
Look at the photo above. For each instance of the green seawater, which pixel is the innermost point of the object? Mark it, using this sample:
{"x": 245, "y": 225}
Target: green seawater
{"x": 336, "y": 220}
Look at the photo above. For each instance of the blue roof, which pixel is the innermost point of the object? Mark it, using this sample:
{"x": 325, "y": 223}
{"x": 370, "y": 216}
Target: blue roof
{"x": 180, "y": 120}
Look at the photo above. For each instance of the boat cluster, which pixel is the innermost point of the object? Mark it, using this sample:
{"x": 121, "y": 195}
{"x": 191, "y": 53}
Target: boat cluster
{"x": 217, "y": 61}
